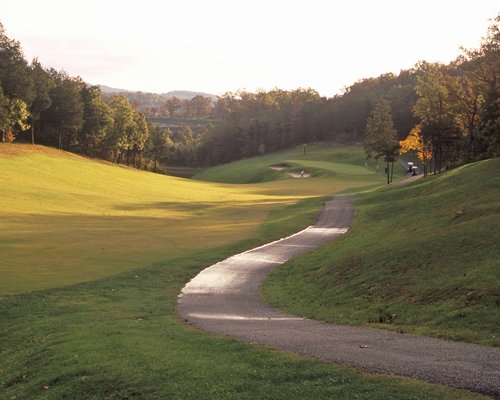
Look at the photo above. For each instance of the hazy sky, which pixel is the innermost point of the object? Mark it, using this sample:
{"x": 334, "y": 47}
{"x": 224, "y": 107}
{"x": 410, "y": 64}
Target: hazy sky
{"x": 217, "y": 45}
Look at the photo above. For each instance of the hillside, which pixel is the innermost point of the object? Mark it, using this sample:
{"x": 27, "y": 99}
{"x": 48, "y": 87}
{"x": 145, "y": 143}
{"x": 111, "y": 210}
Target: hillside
{"x": 419, "y": 259}
{"x": 180, "y": 94}
{"x": 68, "y": 219}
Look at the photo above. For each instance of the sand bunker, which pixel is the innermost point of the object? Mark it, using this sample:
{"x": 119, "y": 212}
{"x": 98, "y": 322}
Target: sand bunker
{"x": 300, "y": 175}
{"x": 279, "y": 167}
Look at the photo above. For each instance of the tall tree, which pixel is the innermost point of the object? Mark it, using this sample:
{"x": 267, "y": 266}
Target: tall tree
{"x": 138, "y": 136}
{"x": 201, "y": 106}
{"x": 15, "y": 76}
{"x": 158, "y": 145}
{"x": 13, "y": 116}
{"x": 64, "y": 117}
{"x": 16, "y": 87}
{"x": 41, "y": 101}
{"x": 123, "y": 122}
{"x": 173, "y": 106}
{"x": 436, "y": 110}
{"x": 380, "y": 137}
{"x": 97, "y": 119}
{"x": 482, "y": 67}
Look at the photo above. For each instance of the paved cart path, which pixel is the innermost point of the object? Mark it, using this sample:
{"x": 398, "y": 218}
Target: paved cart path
{"x": 225, "y": 299}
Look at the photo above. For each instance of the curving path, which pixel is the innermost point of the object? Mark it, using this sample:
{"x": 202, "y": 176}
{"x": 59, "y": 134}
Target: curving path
{"x": 225, "y": 299}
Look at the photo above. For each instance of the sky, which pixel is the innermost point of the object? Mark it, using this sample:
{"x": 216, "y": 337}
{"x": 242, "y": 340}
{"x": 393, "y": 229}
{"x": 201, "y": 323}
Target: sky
{"x": 216, "y": 46}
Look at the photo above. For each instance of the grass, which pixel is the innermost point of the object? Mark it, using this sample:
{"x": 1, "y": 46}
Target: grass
{"x": 343, "y": 163}
{"x": 117, "y": 336}
{"x": 421, "y": 259}
{"x": 66, "y": 219}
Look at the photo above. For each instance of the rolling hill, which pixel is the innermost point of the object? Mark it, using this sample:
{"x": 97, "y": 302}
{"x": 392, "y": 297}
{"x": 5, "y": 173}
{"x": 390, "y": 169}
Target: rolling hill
{"x": 68, "y": 219}
{"x": 180, "y": 94}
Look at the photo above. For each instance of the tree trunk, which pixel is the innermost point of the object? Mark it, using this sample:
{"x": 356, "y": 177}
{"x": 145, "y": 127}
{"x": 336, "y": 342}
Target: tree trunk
{"x": 387, "y": 171}
{"x": 472, "y": 142}
{"x": 32, "y": 132}
{"x": 440, "y": 159}
{"x": 392, "y": 169}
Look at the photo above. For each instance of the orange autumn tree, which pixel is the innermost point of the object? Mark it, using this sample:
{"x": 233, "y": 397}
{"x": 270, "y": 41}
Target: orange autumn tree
{"x": 415, "y": 142}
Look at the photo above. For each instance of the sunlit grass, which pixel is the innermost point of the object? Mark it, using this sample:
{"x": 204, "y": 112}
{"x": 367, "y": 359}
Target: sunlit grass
{"x": 67, "y": 219}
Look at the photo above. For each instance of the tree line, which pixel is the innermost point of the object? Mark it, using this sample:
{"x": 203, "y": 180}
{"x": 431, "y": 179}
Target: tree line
{"x": 58, "y": 110}
{"x": 154, "y": 105}
{"x": 457, "y": 111}
{"x": 447, "y": 114}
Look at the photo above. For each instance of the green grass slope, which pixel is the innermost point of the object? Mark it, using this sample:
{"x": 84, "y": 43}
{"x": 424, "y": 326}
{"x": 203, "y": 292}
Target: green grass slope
{"x": 346, "y": 163}
{"x": 67, "y": 219}
{"x": 423, "y": 258}
{"x": 118, "y": 337}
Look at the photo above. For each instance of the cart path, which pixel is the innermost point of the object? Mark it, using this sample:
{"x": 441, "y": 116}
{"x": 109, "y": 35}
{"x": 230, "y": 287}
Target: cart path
{"x": 225, "y": 299}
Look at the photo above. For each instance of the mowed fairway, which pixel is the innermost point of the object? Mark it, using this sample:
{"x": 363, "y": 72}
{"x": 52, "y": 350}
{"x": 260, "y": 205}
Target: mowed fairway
{"x": 66, "y": 219}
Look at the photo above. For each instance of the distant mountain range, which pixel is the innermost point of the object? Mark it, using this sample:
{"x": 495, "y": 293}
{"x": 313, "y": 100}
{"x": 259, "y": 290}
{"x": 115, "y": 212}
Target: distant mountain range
{"x": 180, "y": 94}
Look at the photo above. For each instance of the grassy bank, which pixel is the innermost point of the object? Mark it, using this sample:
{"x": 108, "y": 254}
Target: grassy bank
{"x": 420, "y": 259}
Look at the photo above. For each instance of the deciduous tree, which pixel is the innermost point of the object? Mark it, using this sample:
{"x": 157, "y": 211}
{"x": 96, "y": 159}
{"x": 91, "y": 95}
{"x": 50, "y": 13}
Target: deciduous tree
{"x": 97, "y": 119}
{"x": 64, "y": 117}
{"x": 436, "y": 110}
{"x": 42, "y": 84}
{"x": 15, "y": 77}
{"x": 380, "y": 137}
{"x": 14, "y": 116}
{"x": 415, "y": 142}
